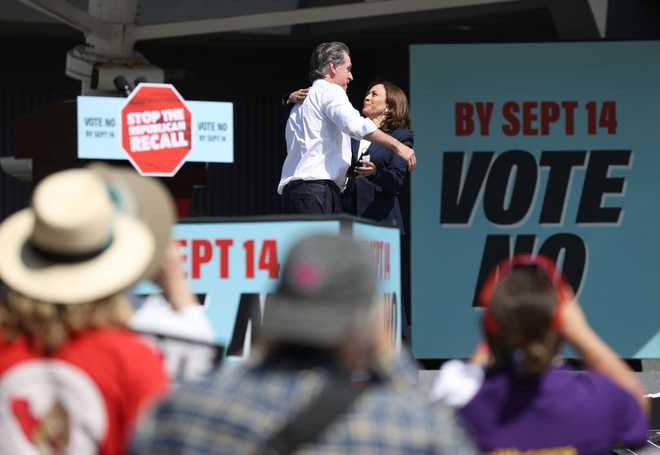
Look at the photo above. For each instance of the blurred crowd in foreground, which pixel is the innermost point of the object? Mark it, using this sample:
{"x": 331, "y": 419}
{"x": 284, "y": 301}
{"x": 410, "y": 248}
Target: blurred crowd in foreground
{"x": 78, "y": 376}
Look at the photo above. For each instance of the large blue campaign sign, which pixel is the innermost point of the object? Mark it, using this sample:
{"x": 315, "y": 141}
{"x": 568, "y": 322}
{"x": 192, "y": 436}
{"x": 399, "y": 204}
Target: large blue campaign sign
{"x": 235, "y": 264}
{"x": 543, "y": 148}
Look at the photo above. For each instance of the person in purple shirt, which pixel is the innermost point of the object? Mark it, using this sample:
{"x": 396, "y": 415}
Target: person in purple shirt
{"x": 515, "y": 399}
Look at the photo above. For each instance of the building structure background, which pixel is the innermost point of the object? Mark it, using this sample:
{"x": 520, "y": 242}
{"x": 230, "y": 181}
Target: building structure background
{"x": 253, "y": 68}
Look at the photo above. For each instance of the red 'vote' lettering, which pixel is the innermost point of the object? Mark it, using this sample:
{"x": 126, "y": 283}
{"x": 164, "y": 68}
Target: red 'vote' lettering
{"x": 534, "y": 118}
{"x": 267, "y": 258}
{"x": 202, "y": 252}
{"x": 464, "y": 124}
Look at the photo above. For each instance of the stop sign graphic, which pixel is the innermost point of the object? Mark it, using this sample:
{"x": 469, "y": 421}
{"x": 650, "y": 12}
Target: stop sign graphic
{"x": 156, "y": 129}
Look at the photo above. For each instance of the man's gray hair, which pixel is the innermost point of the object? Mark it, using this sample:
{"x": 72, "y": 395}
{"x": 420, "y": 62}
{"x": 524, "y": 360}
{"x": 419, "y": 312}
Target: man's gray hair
{"x": 323, "y": 55}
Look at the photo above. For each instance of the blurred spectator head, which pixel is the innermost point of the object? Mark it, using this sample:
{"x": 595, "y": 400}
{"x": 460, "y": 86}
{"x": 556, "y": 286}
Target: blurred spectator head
{"x": 522, "y": 300}
{"x": 67, "y": 259}
{"x": 326, "y": 297}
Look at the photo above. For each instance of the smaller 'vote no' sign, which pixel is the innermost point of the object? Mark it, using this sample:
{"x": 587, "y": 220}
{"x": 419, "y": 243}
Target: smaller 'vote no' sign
{"x": 156, "y": 129}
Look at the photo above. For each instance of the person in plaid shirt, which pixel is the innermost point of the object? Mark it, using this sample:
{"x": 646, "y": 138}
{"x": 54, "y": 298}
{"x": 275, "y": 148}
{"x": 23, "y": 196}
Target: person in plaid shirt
{"x": 324, "y": 322}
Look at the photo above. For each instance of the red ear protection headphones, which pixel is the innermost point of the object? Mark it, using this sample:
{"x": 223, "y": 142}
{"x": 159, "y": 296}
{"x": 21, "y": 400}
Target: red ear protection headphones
{"x": 542, "y": 264}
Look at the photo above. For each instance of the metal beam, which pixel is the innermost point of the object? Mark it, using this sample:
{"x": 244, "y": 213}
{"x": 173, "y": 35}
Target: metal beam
{"x": 299, "y": 16}
{"x": 574, "y": 19}
{"x": 71, "y": 15}
{"x": 599, "y": 10}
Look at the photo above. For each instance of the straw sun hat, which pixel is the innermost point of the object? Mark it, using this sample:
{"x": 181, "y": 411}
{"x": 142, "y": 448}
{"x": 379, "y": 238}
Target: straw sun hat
{"x": 71, "y": 246}
{"x": 146, "y": 199}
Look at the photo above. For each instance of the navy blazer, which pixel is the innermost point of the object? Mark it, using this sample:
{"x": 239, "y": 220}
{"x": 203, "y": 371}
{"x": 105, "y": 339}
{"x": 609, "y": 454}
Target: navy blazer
{"x": 377, "y": 197}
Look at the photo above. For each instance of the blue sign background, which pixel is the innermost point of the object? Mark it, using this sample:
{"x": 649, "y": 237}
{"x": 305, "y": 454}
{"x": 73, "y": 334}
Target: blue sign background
{"x": 391, "y": 283}
{"x": 619, "y": 290}
{"x": 223, "y": 294}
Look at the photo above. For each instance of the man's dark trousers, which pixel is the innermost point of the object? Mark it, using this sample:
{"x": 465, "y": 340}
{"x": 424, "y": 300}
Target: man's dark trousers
{"x": 312, "y": 197}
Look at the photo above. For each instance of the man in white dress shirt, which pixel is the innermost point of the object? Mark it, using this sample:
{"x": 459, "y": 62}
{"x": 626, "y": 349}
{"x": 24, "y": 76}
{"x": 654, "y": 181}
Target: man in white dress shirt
{"x": 318, "y": 136}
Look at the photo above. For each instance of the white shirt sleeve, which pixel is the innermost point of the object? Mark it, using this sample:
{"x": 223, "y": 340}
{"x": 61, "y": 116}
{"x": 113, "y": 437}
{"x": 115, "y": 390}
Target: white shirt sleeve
{"x": 339, "y": 110}
{"x": 457, "y": 383}
{"x": 156, "y": 315}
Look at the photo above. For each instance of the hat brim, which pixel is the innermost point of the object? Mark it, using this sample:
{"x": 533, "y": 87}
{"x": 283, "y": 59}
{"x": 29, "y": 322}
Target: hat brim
{"x": 153, "y": 206}
{"x": 321, "y": 324}
{"x": 115, "y": 269}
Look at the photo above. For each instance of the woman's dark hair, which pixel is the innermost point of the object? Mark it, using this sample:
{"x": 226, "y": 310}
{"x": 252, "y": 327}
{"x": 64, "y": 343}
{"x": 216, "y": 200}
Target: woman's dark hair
{"x": 523, "y": 305}
{"x": 398, "y": 112}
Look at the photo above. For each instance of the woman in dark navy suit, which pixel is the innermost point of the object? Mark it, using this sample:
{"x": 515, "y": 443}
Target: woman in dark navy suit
{"x": 375, "y": 182}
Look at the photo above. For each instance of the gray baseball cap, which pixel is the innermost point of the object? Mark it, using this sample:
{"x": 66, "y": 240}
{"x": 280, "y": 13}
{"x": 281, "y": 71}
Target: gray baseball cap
{"x": 326, "y": 280}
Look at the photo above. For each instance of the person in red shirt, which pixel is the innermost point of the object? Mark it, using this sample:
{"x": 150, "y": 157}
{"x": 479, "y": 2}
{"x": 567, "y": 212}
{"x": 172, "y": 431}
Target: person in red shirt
{"x": 73, "y": 378}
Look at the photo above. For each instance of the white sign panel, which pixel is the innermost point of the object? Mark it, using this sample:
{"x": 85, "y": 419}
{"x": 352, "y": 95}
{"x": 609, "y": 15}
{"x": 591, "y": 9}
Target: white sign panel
{"x": 99, "y": 130}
